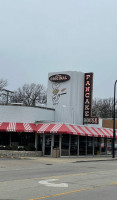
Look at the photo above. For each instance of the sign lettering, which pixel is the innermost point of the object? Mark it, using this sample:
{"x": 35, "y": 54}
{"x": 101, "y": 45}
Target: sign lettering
{"x": 91, "y": 120}
{"x": 88, "y": 90}
{"x": 88, "y": 86}
{"x": 59, "y": 78}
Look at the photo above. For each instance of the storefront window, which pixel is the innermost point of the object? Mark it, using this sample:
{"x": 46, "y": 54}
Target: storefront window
{"x": 103, "y": 146}
{"x": 116, "y": 146}
{"x": 4, "y": 139}
{"x": 74, "y": 145}
{"x": 89, "y": 145}
{"x": 82, "y": 145}
{"x": 18, "y": 141}
{"x": 65, "y": 145}
{"x": 40, "y": 142}
{"x": 96, "y": 146}
{"x": 25, "y": 141}
{"x": 109, "y": 146}
{"x": 15, "y": 139}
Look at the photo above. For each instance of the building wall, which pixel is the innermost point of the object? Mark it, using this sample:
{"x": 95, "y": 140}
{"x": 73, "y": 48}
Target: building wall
{"x": 108, "y": 123}
{"x": 67, "y": 97}
{"x": 25, "y": 114}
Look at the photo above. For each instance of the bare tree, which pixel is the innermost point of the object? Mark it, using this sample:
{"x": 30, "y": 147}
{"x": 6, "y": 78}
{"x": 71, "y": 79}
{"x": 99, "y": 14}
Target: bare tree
{"x": 3, "y": 84}
{"x": 103, "y": 108}
{"x": 30, "y": 95}
{"x": 3, "y": 92}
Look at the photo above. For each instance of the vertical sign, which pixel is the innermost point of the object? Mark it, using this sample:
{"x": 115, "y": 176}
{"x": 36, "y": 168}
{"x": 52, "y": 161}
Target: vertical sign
{"x": 88, "y": 90}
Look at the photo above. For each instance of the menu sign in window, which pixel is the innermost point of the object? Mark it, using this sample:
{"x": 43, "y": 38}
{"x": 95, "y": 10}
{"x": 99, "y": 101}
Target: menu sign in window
{"x": 88, "y": 90}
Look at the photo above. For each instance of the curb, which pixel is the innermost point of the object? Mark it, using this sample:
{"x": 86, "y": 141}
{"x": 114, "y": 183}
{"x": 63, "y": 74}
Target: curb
{"x": 94, "y": 160}
{"x": 60, "y": 160}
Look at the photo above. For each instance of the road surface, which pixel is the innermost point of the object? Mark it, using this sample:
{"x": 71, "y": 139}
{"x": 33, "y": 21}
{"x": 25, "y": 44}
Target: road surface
{"x": 36, "y": 179}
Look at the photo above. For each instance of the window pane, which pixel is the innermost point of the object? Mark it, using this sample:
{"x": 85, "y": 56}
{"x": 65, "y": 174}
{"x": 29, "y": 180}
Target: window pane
{"x": 96, "y": 146}
{"x": 109, "y": 146}
{"x": 103, "y": 146}
{"x": 74, "y": 145}
{"x": 82, "y": 145}
{"x": 65, "y": 145}
{"x": 89, "y": 146}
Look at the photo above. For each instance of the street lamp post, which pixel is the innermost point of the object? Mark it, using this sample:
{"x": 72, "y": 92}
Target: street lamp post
{"x": 113, "y": 140}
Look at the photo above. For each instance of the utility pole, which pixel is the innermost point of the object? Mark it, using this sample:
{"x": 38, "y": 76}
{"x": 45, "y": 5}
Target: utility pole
{"x": 113, "y": 140}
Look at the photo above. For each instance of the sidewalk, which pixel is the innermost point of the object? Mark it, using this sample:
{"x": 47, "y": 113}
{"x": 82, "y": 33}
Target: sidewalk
{"x": 64, "y": 159}
{"x": 71, "y": 160}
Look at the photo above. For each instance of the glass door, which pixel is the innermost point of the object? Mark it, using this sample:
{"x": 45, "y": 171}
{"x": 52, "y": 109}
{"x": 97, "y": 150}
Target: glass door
{"x": 48, "y": 139}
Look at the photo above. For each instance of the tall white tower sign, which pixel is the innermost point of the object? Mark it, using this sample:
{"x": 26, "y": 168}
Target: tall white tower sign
{"x": 66, "y": 95}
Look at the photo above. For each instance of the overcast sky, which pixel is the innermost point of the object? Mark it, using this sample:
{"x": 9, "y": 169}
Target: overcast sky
{"x": 42, "y": 36}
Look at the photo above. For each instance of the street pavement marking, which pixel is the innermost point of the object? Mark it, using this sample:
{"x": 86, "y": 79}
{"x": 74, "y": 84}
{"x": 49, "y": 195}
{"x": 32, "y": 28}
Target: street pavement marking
{"x": 55, "y": 195}
{"x": 71, "y": 175}
{"x": 47, "y": 183}
{"x": 48, "y": 177}
{"x": 70, "y": 192}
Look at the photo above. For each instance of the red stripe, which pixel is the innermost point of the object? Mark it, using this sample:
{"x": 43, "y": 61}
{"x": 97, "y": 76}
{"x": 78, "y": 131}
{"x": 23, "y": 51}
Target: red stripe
{"x": 82, "y": 130}
{"x": 102, "y": 132}
{"x": 112, "y": 132}
{"x": 89, "y": 131}
{"x": 48, "y": 129}
{"x": 75, "y": 129}
{"x": 108, "y": 132}
{"x": 65, "y": 129}
{"x": 97, "y": 132}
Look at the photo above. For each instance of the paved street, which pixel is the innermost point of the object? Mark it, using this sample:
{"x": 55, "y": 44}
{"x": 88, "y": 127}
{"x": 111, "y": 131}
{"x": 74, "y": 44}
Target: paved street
{"x": 48, "y": 178}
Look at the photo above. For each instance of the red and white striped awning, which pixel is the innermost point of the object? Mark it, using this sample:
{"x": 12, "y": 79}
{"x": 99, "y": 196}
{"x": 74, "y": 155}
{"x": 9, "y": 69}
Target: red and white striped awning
{"x": 76, "y": 130}
{"x": 58, "y": 128}
{"x": 17, "y": 127}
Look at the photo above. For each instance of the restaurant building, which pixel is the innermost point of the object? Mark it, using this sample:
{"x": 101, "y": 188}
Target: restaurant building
{"x": 65, "y": 127}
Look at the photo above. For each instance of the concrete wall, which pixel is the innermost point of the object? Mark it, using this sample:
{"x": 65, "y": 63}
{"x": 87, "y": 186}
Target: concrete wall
{"x": 25, "y": 114}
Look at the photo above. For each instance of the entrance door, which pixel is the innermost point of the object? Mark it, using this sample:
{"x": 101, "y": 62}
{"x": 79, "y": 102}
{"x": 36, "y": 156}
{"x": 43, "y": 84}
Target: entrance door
{"x": 48, "y": 139}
